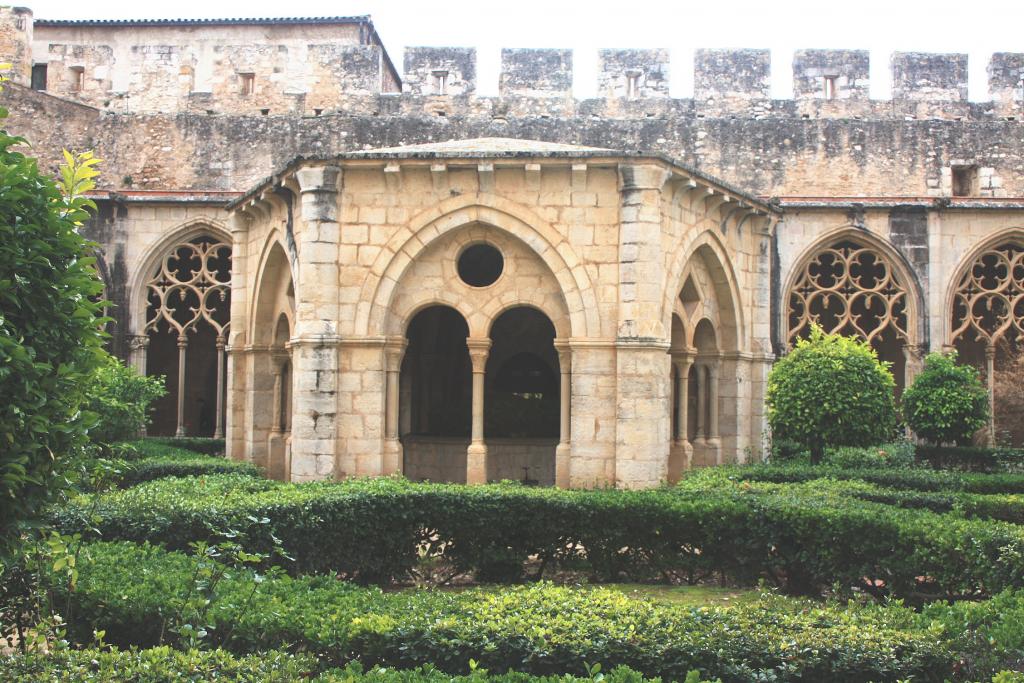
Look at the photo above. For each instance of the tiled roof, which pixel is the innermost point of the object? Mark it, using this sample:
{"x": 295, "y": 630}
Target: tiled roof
{"x": 257, "y": 21}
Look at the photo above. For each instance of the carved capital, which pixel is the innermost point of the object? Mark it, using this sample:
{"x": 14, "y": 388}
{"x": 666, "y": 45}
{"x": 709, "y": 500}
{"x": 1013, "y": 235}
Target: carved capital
{"x": 479, "y": 349}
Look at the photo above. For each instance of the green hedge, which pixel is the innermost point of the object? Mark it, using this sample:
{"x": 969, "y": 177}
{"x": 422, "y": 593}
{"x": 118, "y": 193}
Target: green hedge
{"x": 163, "y": 664}
{"x": 132, "y": 473}
{"x": 380, "y": 530}
{"x": 1007, "y": 507}
{"x": 194, "y": 444}
{"x": 914, "y": 478}
{"x": 970, "y": 458}
{"x": 539, "y": 629}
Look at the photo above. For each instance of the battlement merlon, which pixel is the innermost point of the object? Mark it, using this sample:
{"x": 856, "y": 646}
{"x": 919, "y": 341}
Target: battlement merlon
{"x": 309, "y": 66}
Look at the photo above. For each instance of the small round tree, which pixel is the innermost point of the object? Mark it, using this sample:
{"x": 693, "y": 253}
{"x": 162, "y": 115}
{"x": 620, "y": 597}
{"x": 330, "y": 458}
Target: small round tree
{"x": 947, "y": 402}
{"x": 831, "y": 391}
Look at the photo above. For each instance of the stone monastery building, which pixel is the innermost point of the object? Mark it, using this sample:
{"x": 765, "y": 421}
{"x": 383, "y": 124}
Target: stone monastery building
{"x": 344, "y": 269}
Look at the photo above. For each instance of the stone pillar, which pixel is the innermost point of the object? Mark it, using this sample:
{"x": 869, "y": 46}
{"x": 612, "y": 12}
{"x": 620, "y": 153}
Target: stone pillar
{"x": 643, "y": 387}
{"x": 276, "y": 442}
{"x": 700, "y": 438}
{"x": 476, "y": 454}
{"x": 714, "y": 441}
{"x": 234, "y": 436}
{"x": 218, "y": 432}
{"x": 990, "y": 372}
{"x": 182, "y": 346}
{"x": 563, "y": 452}
{"x": 682, "y": 450}
{"x": 138, "y": 345}
{"x": 592, "y": 419}
{"x": 315, "y": 448}
{"x": 392, "y": 446}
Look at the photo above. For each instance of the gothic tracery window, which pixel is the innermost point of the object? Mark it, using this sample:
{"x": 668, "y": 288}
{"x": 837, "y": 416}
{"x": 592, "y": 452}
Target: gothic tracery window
{"x": 989, "y": 299}
{"x": 988, "y": 330}
{"x": 850, "y": 289}
{"x": 189, "y": 307}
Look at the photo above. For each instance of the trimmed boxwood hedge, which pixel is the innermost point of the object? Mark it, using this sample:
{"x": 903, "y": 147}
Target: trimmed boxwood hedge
{"x": 379, "y": 530}
{"x": 194, "y": 444}
{"x": 539, "y": 629}
{"x": 912, "y": 478}
{"x": 134, "y": 462}
{"x": 163, "y": 664}
{"x": 970, "y": 458}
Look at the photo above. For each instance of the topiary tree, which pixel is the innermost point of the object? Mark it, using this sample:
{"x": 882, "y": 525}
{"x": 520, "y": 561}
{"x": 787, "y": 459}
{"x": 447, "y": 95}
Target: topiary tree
{"x": 947, "y": 402}
{"x": 120, "y": 397}
{"x": 50, "y": 326}
{"x": 831, "y": 391}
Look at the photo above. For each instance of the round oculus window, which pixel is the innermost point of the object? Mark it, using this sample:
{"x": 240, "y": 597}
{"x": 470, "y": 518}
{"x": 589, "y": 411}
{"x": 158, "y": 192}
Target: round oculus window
{"x": 480, "y": 265}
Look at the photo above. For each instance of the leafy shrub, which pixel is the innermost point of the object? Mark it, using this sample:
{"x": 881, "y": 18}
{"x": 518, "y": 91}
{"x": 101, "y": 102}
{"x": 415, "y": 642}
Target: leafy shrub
{"x": 831, "y": 391}
{"x": 539, "y": 629}
{"x": 971, "y": 458}
{"x": 50, "y": 336}
{"x": 196, "y": 444}
{"x": 120, "y": 398}
{"x": 947, "y": 402}
{"x": 147, "y": 469}
{"x": 896, "y": 454}
{"x": 710, "y": 525}
{"x": 162, "y": 664}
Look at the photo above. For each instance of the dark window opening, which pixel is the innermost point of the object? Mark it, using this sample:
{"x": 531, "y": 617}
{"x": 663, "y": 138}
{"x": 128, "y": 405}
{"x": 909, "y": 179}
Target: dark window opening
{"x": 964, "y": 181}
{"x": 39, "y": 77}
{"x": 831, "y": 89}
{"x": 480, "y": 265}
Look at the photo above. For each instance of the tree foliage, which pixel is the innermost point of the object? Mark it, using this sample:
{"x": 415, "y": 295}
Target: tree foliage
{"x": 947, "y": 402}
{"x": 50, "y": 324}
{"x": 831, "y": 391}
{"x": 120, "y": 399}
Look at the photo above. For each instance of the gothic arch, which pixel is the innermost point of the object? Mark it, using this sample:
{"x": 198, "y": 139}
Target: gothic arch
{"x": 962, "y": 274}
{"x": 189, "y": 230}
{"x": 897, "y": 272}
{"x": 273, "y": 292}
{"x": 493, "y": 212}
{"x": 709, "y": 247}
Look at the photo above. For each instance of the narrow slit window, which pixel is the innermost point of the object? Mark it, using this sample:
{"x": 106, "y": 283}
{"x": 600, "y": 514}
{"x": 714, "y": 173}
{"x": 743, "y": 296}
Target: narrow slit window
{"x": 831, "y": 90}
{"x": 247, "y": 83}
{"x": 440, "y": 82}
{"x": 633, "y": 84}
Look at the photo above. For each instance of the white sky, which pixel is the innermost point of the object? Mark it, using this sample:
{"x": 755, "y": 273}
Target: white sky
{"x": 978, "y": 28}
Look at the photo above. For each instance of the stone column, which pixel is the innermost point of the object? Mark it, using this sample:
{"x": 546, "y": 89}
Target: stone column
{"x": 315, "y": 447}
{"x": 393, "y": 352}
{"x": 714, "y": 440}
{"x": 235, "y": 375}
{"x": 681, "y": 444}
{"x": 218, "y": 432}
{"x": 700, "y": 438}
{"x": 138, "y": 345}
{"x": 476, "y": 454}
{"x": 563, "y": 452}
{"x": 182, "y": 346}
{"x": 276, "y": 446}
{"x": 990, "y": 371}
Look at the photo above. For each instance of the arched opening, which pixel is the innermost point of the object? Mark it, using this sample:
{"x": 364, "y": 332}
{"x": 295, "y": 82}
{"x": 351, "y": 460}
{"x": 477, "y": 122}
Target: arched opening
{"x": 435, "y": 390}
{"x": 705, "y": 379}
{"x": 681, "y": 450}
{"x": 521, "y": 398}
{"x": 849, "y": 288}
{"x": 187, "y": 317}
{"x": 988, "y": 332}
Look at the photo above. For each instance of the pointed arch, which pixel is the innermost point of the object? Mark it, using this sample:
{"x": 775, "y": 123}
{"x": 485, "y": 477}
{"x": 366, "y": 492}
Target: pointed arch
{"x": 138, "y": 299}
{"x": 273, "y": 292}
{"x": 898, "y": 271}
{"x": 709, "y": 247}
{"x": 955, "y": 298}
